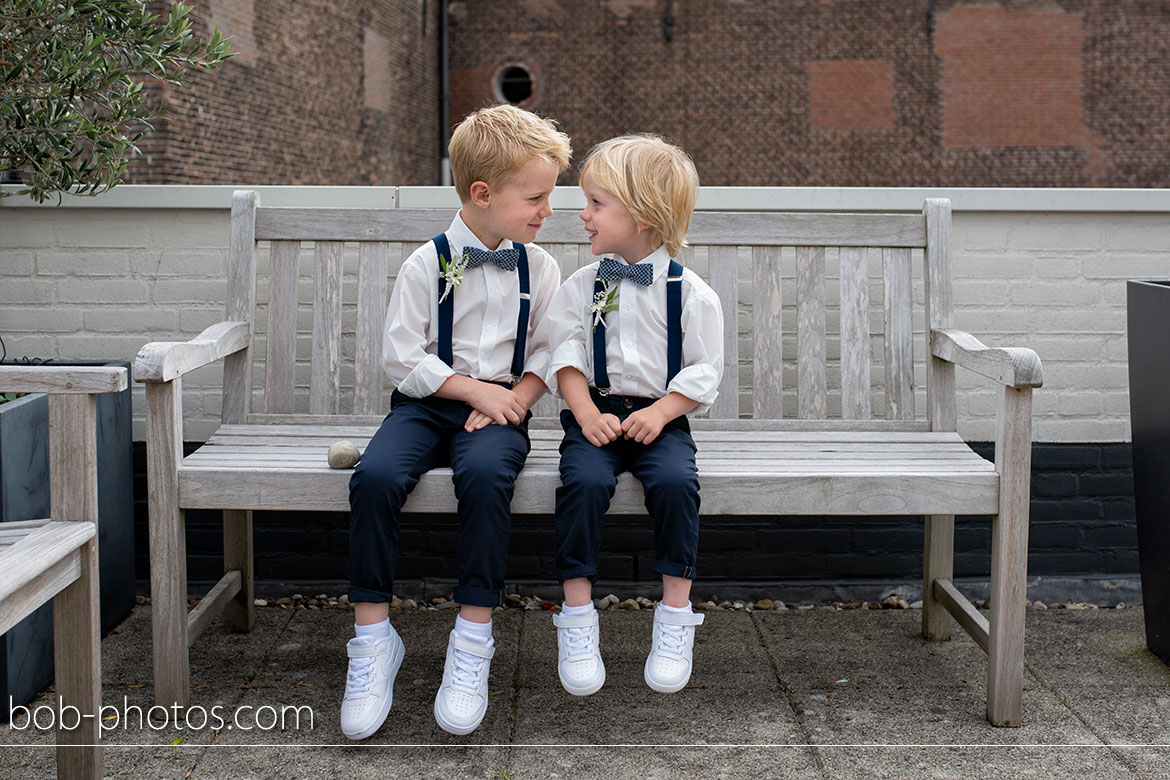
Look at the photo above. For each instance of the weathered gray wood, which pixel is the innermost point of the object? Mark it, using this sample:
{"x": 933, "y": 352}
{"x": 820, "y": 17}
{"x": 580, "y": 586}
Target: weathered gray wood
{"x": 940, "y": 313}
{"x": 280, "y": 358}
{"x": 938, "y": 563}
{"x": 212, "y": 604}
{"x": 944, "y": 593}
{"x": 767, "y": 335}
{"x": 38, "y": 565}
{"x": 77, "y": 663}
{"x": 851, "y": 466}
{"x": 240, "y": 612}
{"x": 241, "y": 305}
{"x": 73, "y": 457}
{"x": 168, "y": 546}
{"x": 854, "y": 334}
{"x": 1009, "y": 557}
{"x": 810, "y": 333}
{"x": 1011, "y": 366}
{"x": 62, "y": 379}
{"x": 373, "y": 260}
{"x": 899, "y": 332}
{"x": 162, "y": 361}
{"x": 333, "y": 224}
{"x": 724, "y": 280}
{"x": 325, "y": 377}
{"x": 725, "y": 228}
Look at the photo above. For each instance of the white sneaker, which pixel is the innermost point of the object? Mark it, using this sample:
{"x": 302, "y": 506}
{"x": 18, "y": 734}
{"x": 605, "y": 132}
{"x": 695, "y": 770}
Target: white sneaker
{"x": 369, "y": 683}
{"x": 668, "y": 667}
{"x": 463, "y": 696}
{"x": 579, "y": 661}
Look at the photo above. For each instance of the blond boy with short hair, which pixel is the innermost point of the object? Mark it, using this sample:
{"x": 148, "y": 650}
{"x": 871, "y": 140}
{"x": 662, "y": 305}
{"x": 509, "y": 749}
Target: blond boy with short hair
{"x": 638, "y": 344}
{"x": 461, "y": 348}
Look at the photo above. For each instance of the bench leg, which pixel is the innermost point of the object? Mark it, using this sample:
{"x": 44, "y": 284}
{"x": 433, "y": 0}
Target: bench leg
{"x": 78, "y": 671}
{"x": 938, "y": 563}
{"x": 168, "y": 545}
{"x": 1009, "y": 559}
{"x": 240, "y": 613}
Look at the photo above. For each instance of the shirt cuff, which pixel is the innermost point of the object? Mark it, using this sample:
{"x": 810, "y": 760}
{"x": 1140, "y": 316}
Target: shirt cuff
{"x": 425, "y": 378}
{"x": 570, "y": 354}
{"x": 699, "y": 383}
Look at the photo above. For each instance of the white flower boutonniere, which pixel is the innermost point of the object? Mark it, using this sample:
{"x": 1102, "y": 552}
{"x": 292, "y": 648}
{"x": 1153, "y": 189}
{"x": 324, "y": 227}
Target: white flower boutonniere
{"x": 604, "y": 302}
{"x": 452, "y": 273}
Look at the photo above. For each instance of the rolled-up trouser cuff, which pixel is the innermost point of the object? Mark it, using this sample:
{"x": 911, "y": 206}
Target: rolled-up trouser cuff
{"x": 477, "y": 597}
{"x": 358, "y": 595}
{"x": 674, "y": 569}
{"x": 576, "y": 572}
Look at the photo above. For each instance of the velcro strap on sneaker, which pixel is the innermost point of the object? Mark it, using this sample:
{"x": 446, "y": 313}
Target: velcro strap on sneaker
{"x": 674, "y": 619}
{"x": 471, "y": 647}
{"x": 364, "y": 651}
{"x": 575, "y": 621}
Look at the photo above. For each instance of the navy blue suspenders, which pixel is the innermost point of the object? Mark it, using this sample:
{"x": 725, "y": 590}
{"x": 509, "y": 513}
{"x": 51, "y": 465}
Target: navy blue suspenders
{"x": 673, "y": 330}
{"x": 447, "y": 308}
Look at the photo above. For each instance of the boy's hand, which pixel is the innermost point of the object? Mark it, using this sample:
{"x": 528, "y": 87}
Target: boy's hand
{"x": 601, "y": 429}
{"x": 498, "y": 404}
{"x": 477, "y": 420}
{"x": 644, "y": 425}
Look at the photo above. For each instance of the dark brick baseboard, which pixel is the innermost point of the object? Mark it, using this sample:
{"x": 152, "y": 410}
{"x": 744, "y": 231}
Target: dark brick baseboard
{"x": 1082, "y": 526}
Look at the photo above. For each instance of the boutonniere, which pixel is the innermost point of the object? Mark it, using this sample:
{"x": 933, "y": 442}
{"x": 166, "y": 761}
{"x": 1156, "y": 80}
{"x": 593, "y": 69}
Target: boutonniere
{"x": 604, "y": 302}
{"x": 452, "y": 273}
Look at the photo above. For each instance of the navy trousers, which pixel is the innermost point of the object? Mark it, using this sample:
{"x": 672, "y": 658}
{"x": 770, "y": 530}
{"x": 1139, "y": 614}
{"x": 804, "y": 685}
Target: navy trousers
{"x": 666, "y": 469}
{"x": 419, "y": 435}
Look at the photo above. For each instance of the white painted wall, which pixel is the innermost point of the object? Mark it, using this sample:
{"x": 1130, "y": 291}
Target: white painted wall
{"x": 98, "y": 277}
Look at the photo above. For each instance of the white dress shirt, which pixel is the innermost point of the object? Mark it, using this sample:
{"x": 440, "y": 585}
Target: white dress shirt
{"x": 486, "y": 307}
{"x": 635, "y": 335}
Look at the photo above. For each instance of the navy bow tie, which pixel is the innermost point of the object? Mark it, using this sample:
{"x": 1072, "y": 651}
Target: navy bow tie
{"x": 503, "y": 258}
{"x": 641, "y": 273}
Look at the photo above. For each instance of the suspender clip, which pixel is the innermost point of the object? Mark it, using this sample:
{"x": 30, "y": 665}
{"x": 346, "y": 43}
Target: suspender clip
{"x": 603, "y": 392}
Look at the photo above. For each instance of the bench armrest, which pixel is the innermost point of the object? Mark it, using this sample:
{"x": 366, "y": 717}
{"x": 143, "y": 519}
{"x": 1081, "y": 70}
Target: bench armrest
{"x": 62, "y": 379}
{"x": 163, "y": 361}
{"x": 1010, "y": 366}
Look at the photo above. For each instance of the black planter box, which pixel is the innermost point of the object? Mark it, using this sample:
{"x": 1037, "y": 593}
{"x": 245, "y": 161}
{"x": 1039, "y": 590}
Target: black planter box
{"x": 26, "y": 651}
{"x": 1148, "y": 312}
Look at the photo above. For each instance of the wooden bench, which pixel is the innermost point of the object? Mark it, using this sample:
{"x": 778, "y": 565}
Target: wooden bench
{"x": 842, "y": 439}
{"x": 57, "y": 558}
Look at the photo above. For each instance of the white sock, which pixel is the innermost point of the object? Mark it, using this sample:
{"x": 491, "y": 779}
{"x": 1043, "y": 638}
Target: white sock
{"x": 479, "y": 632}
{"x": 583, "y": 609}
{"x": 675, "y": 610}
{"x": 374, "y": 631}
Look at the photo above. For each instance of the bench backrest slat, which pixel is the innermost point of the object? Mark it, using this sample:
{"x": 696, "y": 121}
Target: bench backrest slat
{"x": 325, "y": 377}
{"x": 819, "y": 309}
{"x": 280, "y": 356}
{"x": 767, "y": 333}
{"x": 724, "y": 279}
{"x": 373, "y": 275}
{"x": 854, "y": 334}
{"x": 899, "y": 334}
{"x": 810, "y": 332}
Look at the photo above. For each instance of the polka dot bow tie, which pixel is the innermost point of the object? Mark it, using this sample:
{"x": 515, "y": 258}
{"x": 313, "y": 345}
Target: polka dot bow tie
{"x": 503, "y": 258}
{"x": 640, "y": 273}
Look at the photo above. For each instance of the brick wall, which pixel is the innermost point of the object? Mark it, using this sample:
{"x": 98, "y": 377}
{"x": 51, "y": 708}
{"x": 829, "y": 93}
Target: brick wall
{"x": 1069, "y": 93}
{"x": 319, "y": 93}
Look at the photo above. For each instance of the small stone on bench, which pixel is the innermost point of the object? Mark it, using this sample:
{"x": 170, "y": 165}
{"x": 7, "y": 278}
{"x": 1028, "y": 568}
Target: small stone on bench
{"x": 343, "y": 454}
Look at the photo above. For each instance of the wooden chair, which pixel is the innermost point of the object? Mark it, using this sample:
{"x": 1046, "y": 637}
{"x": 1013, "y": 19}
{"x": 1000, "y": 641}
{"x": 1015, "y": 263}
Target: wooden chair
{"x": 57, "y": 558}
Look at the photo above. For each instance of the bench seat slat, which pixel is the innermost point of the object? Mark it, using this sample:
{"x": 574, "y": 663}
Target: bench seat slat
{"x": 739, "y": 492}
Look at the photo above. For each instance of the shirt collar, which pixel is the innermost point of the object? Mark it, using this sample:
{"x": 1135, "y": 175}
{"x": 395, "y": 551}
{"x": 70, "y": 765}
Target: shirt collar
{"x": 462, "y": 236}
{"x": 659, "y": 258}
